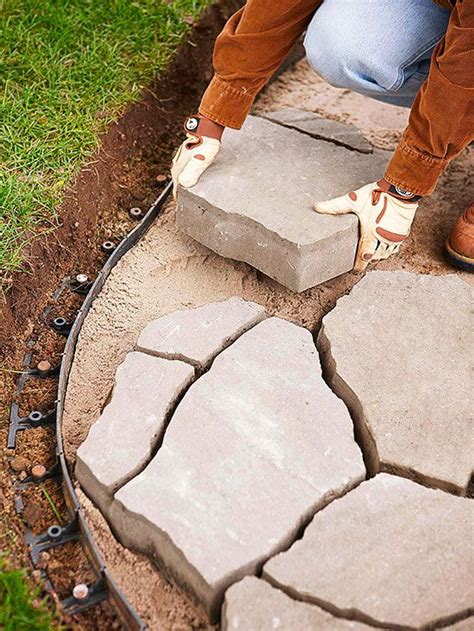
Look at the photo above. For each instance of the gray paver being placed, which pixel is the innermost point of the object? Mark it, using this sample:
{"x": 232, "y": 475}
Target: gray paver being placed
{"x": 391, "y": 552}
{"x": 399, "y": 352}
{"x": 255, "y": 203}
{"x": 254, "y": 448}
{"x": 198, "y": 335}
{"x": 253, "y": 605}
{"x": 318, "y": 127}
{"x": 120, "y": 443}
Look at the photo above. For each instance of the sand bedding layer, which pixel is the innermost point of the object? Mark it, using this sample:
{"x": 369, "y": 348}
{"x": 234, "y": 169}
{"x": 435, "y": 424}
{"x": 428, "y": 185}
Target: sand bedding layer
{"x": 168, "y": 271}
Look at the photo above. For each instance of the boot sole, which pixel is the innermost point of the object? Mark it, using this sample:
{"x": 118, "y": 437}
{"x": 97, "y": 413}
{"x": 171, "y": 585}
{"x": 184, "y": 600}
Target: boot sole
{"x": 458, "y": 260}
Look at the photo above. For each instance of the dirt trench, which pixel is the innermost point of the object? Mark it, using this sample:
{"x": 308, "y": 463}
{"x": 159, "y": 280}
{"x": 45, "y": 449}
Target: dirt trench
{"x": 168, "y": 271}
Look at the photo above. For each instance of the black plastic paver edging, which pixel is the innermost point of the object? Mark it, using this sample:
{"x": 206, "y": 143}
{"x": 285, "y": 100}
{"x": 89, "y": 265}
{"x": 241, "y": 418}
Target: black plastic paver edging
{"x": 126, "y": 611}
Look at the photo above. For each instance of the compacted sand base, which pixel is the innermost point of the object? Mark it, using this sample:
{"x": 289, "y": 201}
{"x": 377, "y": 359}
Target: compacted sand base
{"x": 168, "y": 271}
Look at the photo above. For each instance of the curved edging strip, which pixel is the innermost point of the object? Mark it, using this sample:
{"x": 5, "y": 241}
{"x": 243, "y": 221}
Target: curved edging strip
{"x": 74, "y": 507}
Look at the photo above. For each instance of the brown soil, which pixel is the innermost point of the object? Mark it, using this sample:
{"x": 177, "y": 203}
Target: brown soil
{"x": 38, "y": 443}
{"x": 126, "y": 171}
{"x": 38, "y": 394}
{"x": 168, "y": 271}
{"x": 37, "y": 513}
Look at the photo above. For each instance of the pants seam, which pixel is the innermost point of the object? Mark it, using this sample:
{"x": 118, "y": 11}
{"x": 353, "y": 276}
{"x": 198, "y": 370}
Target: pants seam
{"x": 401, "y": 72}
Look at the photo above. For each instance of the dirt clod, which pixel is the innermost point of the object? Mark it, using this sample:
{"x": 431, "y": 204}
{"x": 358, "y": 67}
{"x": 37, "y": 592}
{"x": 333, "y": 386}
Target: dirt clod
{"x": 32, "y": 514}
{"x": 19, "y": 463}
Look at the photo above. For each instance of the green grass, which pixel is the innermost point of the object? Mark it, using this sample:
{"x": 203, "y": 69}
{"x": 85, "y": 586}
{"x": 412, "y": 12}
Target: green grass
{"x": 21, "y": 609}
{"x": 68, "y": 68}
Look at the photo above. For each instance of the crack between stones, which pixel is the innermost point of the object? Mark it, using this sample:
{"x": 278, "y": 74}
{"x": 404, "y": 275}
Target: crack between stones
{"x": 355, "y": 614}
{"x": 333, "y": 141}
{"x": 171, "y": 357}
{"x": 423, "y": 480}
{"x": 362, "y": 434}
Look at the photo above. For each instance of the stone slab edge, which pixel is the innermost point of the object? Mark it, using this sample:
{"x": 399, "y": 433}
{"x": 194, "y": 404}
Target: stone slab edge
{"x": 252, "y": 233}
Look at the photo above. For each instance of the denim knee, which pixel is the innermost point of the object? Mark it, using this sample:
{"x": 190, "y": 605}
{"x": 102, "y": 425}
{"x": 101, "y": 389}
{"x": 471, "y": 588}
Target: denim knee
{"x": 329, "y": 57}
{"x": 343, "y": 62}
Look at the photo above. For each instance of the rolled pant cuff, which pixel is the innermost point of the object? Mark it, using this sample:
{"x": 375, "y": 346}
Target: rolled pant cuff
{"x": 414, "y": 171}
{"x": 225, "y": 104}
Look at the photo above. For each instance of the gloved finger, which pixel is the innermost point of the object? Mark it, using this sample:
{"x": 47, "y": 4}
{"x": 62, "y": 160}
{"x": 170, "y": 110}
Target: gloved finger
{"x": 380, "y": 252}
{"x": 365, "y": 250}
{"x": 337, "y": 206}
{"x": 177, "y": 165}
{"x": 193, "y": 170}
{"x": 384, "y": 251}
{"x": 392, "y": 249}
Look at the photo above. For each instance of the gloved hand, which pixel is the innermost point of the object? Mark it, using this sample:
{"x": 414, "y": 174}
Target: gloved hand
{"x": 197, "y": 152}
{"x": 385, "y": 215}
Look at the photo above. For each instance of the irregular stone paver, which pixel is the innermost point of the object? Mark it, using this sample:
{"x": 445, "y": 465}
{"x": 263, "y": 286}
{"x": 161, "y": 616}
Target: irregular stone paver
{"x": 324, "y": 128}
{"x": 254, "y": 448}
{"x": 399, "y": 349}
{"x": 255, "y": 203}
{"x": 253, "y": 605}
{"x": 198, "y": 335}
{"x": 392, "y": 550}
{"x": 120, "y": 443}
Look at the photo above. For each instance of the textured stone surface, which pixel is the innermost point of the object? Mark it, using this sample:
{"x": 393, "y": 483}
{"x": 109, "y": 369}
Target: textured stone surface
{"x": 399, "y": 349}
{"x": 254, "y": 448}
{"x": 391, "y": 551}
{"x": 254, "y": 203}
{"x": 121, "y": 441}
{"x": 341, "y": 133}
{"x": 198, "y": 335}
{"x": 253, "y": 605}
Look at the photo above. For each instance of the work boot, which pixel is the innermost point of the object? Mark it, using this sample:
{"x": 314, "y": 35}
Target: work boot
{"x": 459, "y": 246}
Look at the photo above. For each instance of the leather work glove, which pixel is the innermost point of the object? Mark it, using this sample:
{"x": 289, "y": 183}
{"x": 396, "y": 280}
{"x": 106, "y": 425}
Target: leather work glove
{"x": 385, "y": 215}
{"x": 197, "y": 152}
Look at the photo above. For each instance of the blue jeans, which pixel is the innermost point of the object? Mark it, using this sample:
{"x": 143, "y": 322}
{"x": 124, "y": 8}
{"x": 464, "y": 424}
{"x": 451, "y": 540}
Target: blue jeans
{"x": 380, "y": 48}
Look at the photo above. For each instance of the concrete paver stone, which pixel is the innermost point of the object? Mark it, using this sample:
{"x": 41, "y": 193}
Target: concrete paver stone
{"x": 120, "y": 443}
{"x": 390, "y": 552}
{"x": 255, "y": 203}
{"x": 198, "y": 335}
{"x": 399, "y": 352}
{"x": 323, "y": 128}
{"x": 254, "y": 448}
{"x": 253, "y": 605}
